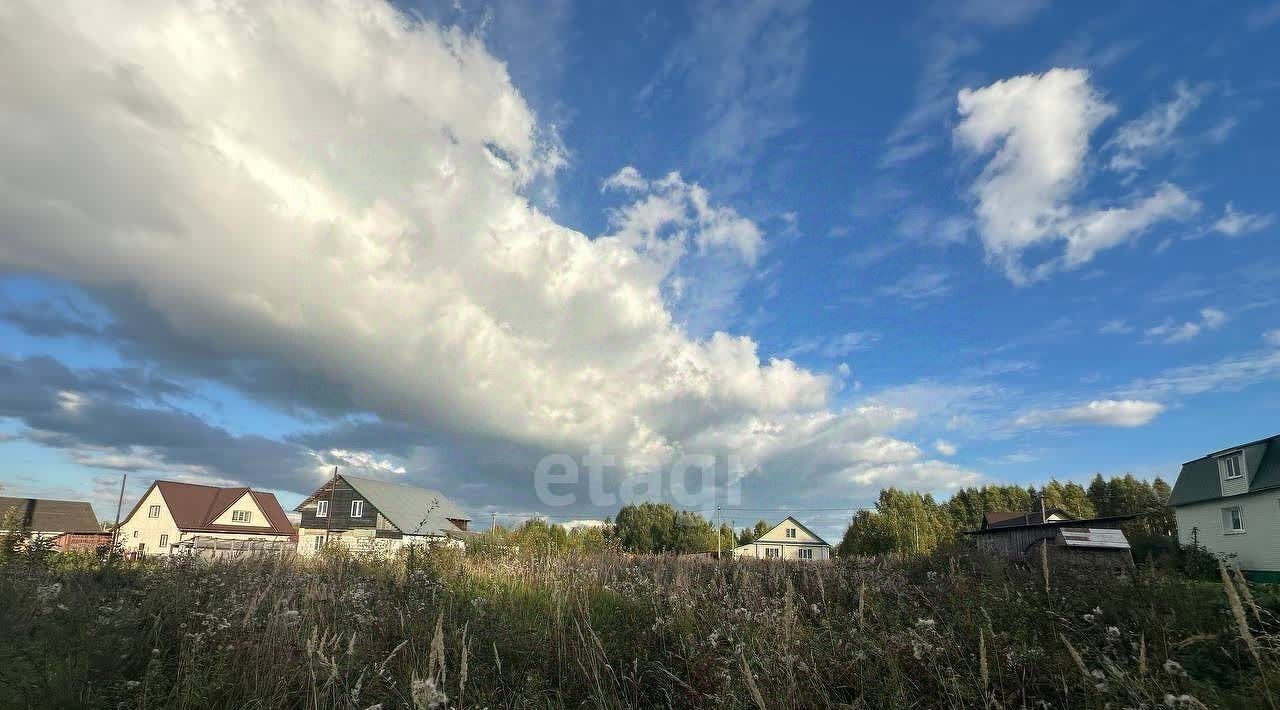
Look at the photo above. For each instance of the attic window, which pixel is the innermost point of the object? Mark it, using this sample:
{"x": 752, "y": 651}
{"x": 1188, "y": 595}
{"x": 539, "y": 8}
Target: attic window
{"x": 322, "y": 509}
{"x": 153, "y": 511}
{"x": 241, "y": 516}
{"x": 1232, "y": 465}
{"x": 791, "y": 532}
{"x": 357, "y": 508}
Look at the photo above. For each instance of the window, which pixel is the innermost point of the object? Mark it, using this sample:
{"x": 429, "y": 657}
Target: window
{"x": 317, "y": 542}
{"x": 791, "y": 532}
{"x": 1232, "y": 465}
{"x": 805, "y": 553}
{"x": 135, "y": 533}
{"x": 241, "y": 516}
{"x": 771, "y": 552}
{"x": 142, "y": 546}
{"x": 322, "y": 509}
{"x": 357, "y": 508}
{"x": 164, "y": 541}
{"x": 153, "y": 511}
{"x": 1232, "y": 522}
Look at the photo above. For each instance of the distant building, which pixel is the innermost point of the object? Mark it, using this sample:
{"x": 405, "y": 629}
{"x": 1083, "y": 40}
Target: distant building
{"x": 1229, "y": 503}
{"x": 367, "y": 515}
{"x": 1017, "y": 536}
{"x": 788, "y": 540}
{"x": 67, "y": 524}
{"x": 173, "y": 516}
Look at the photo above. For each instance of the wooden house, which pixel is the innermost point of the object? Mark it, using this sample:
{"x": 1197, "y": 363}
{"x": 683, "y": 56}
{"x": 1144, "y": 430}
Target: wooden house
{"x": 368, "y": 515}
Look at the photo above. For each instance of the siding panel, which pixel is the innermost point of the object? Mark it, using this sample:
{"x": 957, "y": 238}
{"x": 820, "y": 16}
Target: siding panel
{"x": 1257, "y": 548}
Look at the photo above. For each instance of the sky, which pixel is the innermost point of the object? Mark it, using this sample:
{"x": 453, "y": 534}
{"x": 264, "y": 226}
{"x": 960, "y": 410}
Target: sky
{"x": 826, "y": 247}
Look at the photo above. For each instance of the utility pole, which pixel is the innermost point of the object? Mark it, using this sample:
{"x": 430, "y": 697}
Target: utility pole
{"x": 116, "y": 529}
{"x": 718, "y": 532}
{"x": 328, "y": 519}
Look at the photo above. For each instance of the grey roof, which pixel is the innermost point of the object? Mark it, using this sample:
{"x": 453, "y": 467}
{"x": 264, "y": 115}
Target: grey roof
{"x": 413, "y": 510}
{"x": 1198, "y": 479}
{"x": 42, "y": 515}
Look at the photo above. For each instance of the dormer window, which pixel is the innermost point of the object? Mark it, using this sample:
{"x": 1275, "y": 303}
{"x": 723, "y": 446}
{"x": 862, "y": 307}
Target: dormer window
{"x": 1231, "y": 465}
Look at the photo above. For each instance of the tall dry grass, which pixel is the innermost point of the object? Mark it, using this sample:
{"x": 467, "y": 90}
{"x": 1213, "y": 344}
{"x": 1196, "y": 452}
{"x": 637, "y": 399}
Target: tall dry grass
{"x": 951, "y": 630}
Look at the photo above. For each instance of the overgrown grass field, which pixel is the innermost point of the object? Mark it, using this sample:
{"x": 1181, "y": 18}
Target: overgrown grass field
{"x": 611, "y": 631}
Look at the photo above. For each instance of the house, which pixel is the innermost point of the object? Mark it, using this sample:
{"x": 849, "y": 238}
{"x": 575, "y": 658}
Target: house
{"x": 1229, "y": 503}
{"x": 1017, "y": 535}
{"x": 67, "y": 524}
{"x": 189, "y": 516}
{"x": 788, "y": 540}
{"x": 367, "y": 515}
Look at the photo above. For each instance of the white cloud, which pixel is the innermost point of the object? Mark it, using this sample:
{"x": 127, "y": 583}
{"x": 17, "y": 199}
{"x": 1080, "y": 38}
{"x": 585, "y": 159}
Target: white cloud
{"x": 1234, "y": 223}
{"x": 833, "y": 346}
{"x": 1272, "y": 337}
{"x": 1104, "y": 412}
{"x": 1170, "y": 331}
{"x": 1036, "y": 128}
{"x": 1117, "y": 326}
{"x": 945, "y": 448}
{"x": 1153, "y": 131}
{"x": 357, "y": 216}
{"x": 920, "y": 284}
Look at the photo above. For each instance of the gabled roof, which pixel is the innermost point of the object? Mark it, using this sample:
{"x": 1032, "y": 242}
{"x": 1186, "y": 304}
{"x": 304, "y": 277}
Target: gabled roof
{"x": 1008, "y": 520}
{"x": 799, "y": 524}
{"x": 44, "y": 515}
{"x": 413, "y": 510}
{"x": 1198, "y": 479}
{"x": 194, "y": 507}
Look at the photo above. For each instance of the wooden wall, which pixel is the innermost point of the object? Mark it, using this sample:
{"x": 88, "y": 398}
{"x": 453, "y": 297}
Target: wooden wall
{"x": 339, "y": 510}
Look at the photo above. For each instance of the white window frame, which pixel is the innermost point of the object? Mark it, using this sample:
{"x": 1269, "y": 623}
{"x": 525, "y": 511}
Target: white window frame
{"x": 1234, "y": 456}
{"x": 791, "y": 532}
{"x": 772, "y": 553}
{"x": 164, "y": 540}
{"x": 153, "y": 511}
{"x": 357, "y": 508}
{"x": 322, "y": 509}
{"x": 317, "y": 543}
{"x": 1227, "y": 519}
{"x": 805, "y": 553}
{"x": 241, "y": 516}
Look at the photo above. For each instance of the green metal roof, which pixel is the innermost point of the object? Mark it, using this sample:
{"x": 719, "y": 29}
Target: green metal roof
{"x": 1198, "y": 480}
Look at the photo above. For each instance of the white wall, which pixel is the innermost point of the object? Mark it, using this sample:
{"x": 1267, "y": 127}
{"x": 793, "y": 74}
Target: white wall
{"x": 1257, "y": 548}
{"x": 138, "y": 528}
{"x": 785, "y": 552}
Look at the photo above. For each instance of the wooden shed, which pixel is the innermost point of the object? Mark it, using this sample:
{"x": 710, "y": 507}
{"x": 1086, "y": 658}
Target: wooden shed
{"x": 1016, "y": 536}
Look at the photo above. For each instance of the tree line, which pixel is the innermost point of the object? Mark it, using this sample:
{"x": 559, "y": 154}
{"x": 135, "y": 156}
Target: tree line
{"x": 901, "y": 521}
{"x": 910, "y": 522}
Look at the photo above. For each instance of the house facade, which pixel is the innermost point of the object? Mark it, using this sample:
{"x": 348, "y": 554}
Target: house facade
{"x": 1229, "y": 503}
{"x": 174, "y": 516}
{"x": 367, "y": 515}
{"x": 788, "y": 540}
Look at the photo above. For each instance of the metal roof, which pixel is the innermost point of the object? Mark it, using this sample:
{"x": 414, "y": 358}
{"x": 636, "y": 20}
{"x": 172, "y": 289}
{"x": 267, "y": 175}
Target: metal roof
{"x": 413, "y": 510}
{"x": 194, "y": 507}
{"x": 43, "y": 515}
{"x": 1198, "y": 479}
{"x": 1052, "y": 524}
{"x": 1093, "y": 538}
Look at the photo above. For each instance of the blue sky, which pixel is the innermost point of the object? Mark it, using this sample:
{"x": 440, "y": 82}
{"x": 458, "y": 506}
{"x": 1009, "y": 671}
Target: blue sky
{"x": 847, "y": 247}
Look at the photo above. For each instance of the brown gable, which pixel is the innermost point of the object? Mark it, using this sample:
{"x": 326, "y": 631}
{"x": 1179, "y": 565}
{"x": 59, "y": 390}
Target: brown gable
{"x": 1007, "y": 520}
{"x": 43, "y": 515}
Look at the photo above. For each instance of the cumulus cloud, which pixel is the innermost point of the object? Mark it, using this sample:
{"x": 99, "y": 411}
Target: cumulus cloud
{"x": 1036, "y": 128}
{"x": 1103, "y": 412}
{"x": 945, "y": 448}
{"x": 1171, "y": 332}
{"x": 1234, "y": 223}
{"x": 323, "y": 204}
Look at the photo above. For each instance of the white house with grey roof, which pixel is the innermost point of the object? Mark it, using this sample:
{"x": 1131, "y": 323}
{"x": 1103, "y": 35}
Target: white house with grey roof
{"x": 788, "y": 540}
{"x": 368, "y": 515}
{"x": 1229, "y": 503}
